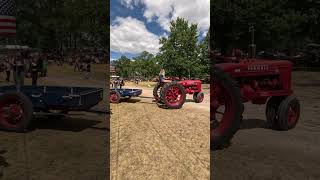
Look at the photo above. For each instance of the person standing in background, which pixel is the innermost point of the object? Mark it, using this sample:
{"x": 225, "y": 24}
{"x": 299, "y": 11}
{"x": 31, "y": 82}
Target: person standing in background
{"x": 34, "y": 70}
{"x": 19, "y": 69}
{"x": 8, "y": 67}
{"x": 45, "y": 65}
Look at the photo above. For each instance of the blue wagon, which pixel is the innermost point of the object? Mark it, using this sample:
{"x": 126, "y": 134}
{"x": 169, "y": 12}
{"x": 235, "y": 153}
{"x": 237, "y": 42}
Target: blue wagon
{"x": 116, "y": 94}
{"x": 18, "y": 108}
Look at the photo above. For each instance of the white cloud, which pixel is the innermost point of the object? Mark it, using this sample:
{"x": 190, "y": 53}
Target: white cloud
{"x": 164, "y": 11}
{"x": 129, "y": 35}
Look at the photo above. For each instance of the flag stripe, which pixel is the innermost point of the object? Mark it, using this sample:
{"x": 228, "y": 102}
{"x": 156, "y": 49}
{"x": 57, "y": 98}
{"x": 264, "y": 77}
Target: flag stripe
{"x": 8, "y": 20}
{"x": 7, "y": 31}
{"x": 7, "y": 17}
{"x": 8, "y": 24}
{"x": 7, "y": 27}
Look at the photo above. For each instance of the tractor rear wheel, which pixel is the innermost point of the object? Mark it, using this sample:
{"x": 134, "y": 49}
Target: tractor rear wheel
{"x": 226, "y": 109}
{"x": 198, "y": 97}
{"x": 288, "y": 113}
{"x": 115, "y": 96}
{"x": 16, "y": 112}
{"x": 173, "y": 95}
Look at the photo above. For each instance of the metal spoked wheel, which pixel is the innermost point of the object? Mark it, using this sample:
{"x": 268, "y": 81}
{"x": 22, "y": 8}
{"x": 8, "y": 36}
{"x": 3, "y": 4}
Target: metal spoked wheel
{"x": 114, "y": 97}
{"x": 16, "y": 112}
{"x": 173, "y": 95}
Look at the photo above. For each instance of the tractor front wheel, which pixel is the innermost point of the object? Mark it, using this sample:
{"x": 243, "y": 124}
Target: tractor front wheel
{"x": 272, "y": 108}
{"x": 16, "y": 112}
{"x": 173, "y": 95}
{"x": 289, "y": 113}
{"x": 198, "y": 97}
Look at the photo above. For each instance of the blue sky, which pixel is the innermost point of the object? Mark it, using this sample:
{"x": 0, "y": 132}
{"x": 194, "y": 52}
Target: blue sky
{"x": 137, "y": 25}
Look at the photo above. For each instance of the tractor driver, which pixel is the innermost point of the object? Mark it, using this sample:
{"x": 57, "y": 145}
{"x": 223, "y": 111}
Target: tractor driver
{"x": 162, "y": 77}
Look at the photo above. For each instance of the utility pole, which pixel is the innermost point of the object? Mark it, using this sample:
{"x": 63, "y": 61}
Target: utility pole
{"x": 252, "y": 46}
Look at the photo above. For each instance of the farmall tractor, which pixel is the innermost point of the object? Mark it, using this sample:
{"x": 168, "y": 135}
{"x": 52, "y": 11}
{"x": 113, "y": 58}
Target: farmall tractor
{"x": 173, "y": 94}
{"x": 259, "y": 81}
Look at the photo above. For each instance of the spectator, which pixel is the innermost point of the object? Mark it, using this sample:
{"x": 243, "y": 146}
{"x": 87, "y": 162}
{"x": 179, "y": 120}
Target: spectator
{"x": 8, "y": 67}
{"x": 34, "y": 70}
{"x": 19, "y": 69}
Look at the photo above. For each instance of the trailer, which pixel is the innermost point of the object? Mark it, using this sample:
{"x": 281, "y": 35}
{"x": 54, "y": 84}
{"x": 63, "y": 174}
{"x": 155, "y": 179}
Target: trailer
{"x": 117, "y": 94}
{"x": 18, "y": 108}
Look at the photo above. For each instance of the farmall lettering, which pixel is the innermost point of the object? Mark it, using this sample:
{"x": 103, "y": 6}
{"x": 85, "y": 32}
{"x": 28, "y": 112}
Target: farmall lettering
{"x": 258, "y": 67}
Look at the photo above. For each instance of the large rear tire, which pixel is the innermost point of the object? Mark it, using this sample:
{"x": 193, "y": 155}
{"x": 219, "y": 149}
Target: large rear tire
{"x": 225, "y": 94}
{"x": 173, "y": 95}
{"x": 16, "y": 112}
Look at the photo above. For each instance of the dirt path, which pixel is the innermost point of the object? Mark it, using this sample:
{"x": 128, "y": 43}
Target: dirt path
{"x": 71, "y": 148}
{"x": 148, "y": 142}
{"x": 258, "y": 153}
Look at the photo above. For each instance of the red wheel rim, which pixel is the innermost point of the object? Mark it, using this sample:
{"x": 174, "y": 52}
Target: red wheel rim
{"x": 174, "y": 96}
{"x": 11, "y": 113}
{"x": 113, "y": 97}
{"x": 292, "y": 115}
{"x": 221, "y": 98}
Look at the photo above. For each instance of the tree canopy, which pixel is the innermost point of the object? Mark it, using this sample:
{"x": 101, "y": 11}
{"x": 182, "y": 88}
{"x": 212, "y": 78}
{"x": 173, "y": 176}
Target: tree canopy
{"x": 53, "y": 24}
{"x": 181, "y": 54}
{"x": 281, "y": 25}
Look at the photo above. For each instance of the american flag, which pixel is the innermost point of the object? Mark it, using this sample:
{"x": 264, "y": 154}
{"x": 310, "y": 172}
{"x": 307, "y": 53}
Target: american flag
{"x": 7, "y": 17}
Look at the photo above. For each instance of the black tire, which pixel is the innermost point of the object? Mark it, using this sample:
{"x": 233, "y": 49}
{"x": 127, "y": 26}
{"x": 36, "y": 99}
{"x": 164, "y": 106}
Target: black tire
{"x": 117, "y": 97}
{"x": 156, "y": 94}
{"x": 26, "y": 112}
{"x": 290, "y": 102}
{"x": 166, "y": 87}
{"x": 198, "y": 97}
{"x": 272, "y": 108}
{"x": 219, "y": 141}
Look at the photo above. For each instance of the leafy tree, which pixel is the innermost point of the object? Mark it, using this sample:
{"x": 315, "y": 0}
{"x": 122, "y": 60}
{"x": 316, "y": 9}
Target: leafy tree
{"x": 123, "y": 67}
{"x": 179, "y": 52}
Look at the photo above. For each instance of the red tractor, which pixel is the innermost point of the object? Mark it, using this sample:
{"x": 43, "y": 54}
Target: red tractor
{"x": 173, "y": 94}
{"x": 236, "y": 81}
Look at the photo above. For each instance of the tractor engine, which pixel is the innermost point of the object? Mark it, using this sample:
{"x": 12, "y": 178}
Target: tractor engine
{"x": 260, "y": 79}
{"x": 191, "y": 86}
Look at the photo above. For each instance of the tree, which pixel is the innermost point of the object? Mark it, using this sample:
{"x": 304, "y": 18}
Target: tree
{"x": 280, "y": 25}
{"x": 179, "y": 52}
{"x": 123, "y": 67}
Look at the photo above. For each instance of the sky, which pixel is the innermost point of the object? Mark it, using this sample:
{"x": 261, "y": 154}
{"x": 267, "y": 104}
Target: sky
{"x": 137, "y": 25}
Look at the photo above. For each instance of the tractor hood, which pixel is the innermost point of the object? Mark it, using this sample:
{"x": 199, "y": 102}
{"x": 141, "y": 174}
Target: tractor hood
{"x": 255, "y": 66}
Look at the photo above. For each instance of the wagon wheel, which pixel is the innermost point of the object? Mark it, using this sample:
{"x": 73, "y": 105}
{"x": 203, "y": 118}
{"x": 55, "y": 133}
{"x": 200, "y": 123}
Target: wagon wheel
{"x": 226, "y": 109}
{"x": 173, "y": 95}
{"x": 115, "y": 96}
{"x": 16, "y": 112}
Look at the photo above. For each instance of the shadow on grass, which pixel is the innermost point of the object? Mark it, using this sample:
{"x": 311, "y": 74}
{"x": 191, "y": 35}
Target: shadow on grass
{"x": 3, "y": 162}
{"x": 64, "y": 124}
{"x": 246, "y": 124}
{"x": 253, "y": 124}
{"x": 126, "y": 100}
{"x": 145, "y": 97}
